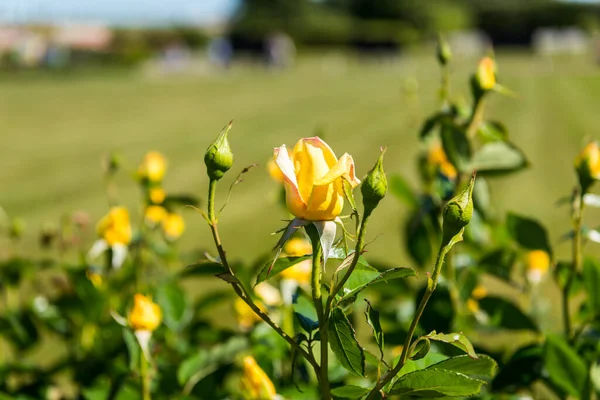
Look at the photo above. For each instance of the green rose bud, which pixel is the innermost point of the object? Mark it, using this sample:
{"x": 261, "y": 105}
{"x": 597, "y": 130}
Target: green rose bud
{"x": 218, "y": 157}
{"x": 458, "y": 213}
{"x": 374, "y": 187}
{"x": 444, "y": 54}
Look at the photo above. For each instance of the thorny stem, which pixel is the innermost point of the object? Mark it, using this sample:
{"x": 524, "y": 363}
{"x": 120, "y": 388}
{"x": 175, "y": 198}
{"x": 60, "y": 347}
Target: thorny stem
{"x": 145, "y": 377}
{"x": 577, "y": 217}
{"x": 317, "y": 275}
{"x": 431, "y": 285}
{"x": 357, "y": 251}
{"x": 241, "y": 291}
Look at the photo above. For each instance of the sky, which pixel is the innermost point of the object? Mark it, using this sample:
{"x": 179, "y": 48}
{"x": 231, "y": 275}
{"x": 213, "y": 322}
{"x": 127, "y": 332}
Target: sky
{"x": 121, "y": 12}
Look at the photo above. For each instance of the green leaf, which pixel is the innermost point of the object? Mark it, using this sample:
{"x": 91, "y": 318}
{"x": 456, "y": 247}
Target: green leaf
{"x": 492, "y": 131}
{"x": 523, "y": 368}
{"x": 372, "y": 317}
{"x": 420, "y": 231}
{"x": 203, "y": 363}
{"x": 365, "y": 276}
{"x": 528, "y": 233}
{"x": 499, "y": 263}
{"x": 181, "y": 200}
{"x": 203, "y": 268}
{"x": 342, "y": 339}
{"x": 281, "y": 264}
{"x": 480, "y": 368}
{"x": 133, "y": 349}
{"x": 456, "y": 339}
{"x": 433, "y": 383}
{"x": 349, "y": 392}
{"x": 430, "y": 123}
{"x": 481, "y": 196}
{"x": 456, "y": 146}
{"x": 498, "y": 157}
{"x": 400, "y": 188}
{"x": 174, "y": 306}
{"x": 591, "y": 280}
{"x": 506, "y": 315}
{"x": 349, "y": 194}
{"x": 565, "y": 368}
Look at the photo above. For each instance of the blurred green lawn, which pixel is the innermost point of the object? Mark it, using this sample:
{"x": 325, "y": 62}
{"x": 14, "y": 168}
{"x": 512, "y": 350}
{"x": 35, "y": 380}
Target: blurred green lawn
{"x": 55, "y": 130}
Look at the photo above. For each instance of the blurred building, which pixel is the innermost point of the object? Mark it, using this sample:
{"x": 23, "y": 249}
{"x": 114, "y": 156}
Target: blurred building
{"x": 551, "y": 41}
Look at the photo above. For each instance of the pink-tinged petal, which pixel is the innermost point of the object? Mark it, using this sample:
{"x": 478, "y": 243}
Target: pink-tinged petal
{"x": 293, "y": 197}
{"x": 283, "y": 161}
{"x": 343, "y": 168}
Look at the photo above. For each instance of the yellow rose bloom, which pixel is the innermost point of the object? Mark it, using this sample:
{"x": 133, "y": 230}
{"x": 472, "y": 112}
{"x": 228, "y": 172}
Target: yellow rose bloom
{"x": 479, "y": 292}
{"x": 153, "y": 167}
{"x": 173, "y": 226}
{"x": 154, "y": 215}
{"x": 473, "y": 306}
{"x": 157, "y": 195}
{"x": 255, "y": 383}
{"x": 274, "y": 171}
{"x": 115, "y": 227}
{"x": 313, "y": 179}
{"x": 438, "y": 159}
{"x": 246, "y": 317}
{"x": 538, "y": 264}
{"x": 297, "y": 247}
{"x": 300, "y": 272}
{"x": 590, "y": 159}
{"x": 145, "y": 315}
{"x": 486, "y": 73}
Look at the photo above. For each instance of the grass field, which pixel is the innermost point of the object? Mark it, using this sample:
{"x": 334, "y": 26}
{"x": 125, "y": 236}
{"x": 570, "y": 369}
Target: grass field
{"x": 55, "y": 130}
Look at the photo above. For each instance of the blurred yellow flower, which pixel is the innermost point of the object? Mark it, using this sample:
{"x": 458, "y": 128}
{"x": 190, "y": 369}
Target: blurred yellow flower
{"x": 538, "y": 264}
{"x": 313, "y": 179}
{"x": 269, "y": 294}
{"x": 94, "y": 277}
{"x": 114, "y": 227}
{"x": 472, "y": 305}
{"x": 589, "y": 160}
{"x": 486, "y": 73}
{"x": 153, "y": 167}
{"x": 157, "y": 195}
{"x": 438, "y": 159}
{"x": 145, "y": 314}
{"x": 154, "y": 215}
{"x": 255, "y": 383}
{"x": 246, "y": 317}
{"x": 300, "y": 272}
{"x": 173, "y": 226}
{"x": 476, "y": 294}
{"x": 297, "y": 247}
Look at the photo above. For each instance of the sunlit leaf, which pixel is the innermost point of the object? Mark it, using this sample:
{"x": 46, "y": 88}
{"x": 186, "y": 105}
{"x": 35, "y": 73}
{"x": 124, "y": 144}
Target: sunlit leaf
{"x": 434, "y": 383}
{"x": 528, "y": 233}
{"x": 281, "y": 264}
{"x": 456, "y": 339}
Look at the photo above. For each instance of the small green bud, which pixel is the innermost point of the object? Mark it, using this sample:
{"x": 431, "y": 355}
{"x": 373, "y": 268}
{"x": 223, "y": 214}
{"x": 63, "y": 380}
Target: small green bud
{"x": 17, "y": 228}
{"x": 444, "y": 54}
{"x": 218, "y": 157}
{"x": 374, "y": 187}
{"x": 458, "y": 212}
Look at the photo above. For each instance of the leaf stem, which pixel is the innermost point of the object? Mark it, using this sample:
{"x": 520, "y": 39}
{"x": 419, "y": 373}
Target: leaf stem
{"x": 476, "y": 116}
{"x": 431, "y": 285}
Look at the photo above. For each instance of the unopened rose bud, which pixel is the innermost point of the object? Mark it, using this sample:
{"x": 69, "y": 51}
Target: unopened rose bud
{"x": 587, "y": 165}
{"x": 458, "y": 212}
{"x": 218, "y": 157}
{"x": 444, "y": 54}
{"x": 374, "y": 187}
